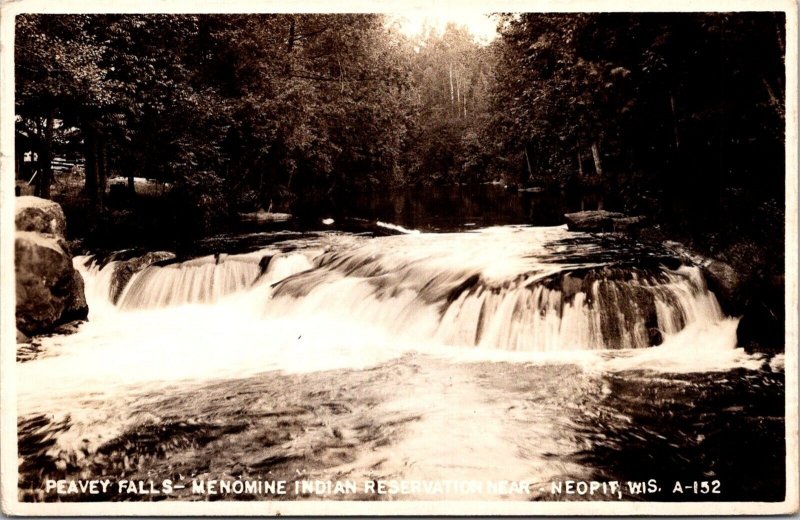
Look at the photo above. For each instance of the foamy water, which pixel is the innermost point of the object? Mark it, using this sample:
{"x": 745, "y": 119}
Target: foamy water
{"x": 378, "y": 298}
{"x": 347, "y": 302}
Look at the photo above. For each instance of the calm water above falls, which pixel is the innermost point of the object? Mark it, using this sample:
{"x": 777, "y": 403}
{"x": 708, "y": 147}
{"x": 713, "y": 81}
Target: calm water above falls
{"x": 440, "y": 209}
{"x": 449, "y": 208}
{"x": 331, "y": 355}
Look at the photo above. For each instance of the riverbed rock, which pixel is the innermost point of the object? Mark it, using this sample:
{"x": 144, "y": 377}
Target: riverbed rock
{"x": 594, "y": 221}
{"x": 39, "y": 215}
{"x": 687, "y": 255}
{"x": 76, "y": 307}
{"x": 761, "y": 328}
{"x": 756, "y": 300}
{"x": 49, "y": 291}
{"x": 22, "y": 337}
{"x": 70, "y": 327}
{"x": 125, "y": 270}
{"x": 626, "y": 224}
{"x": 746, "y": 288}
{"x": 724, "y": 281}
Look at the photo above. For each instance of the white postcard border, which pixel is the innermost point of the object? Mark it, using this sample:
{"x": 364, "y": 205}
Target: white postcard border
{"x": 8, "y": 405}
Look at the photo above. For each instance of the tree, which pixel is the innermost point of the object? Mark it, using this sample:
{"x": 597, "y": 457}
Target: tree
{"x": 451, "y": 74}
{"x": 57, "y": 79}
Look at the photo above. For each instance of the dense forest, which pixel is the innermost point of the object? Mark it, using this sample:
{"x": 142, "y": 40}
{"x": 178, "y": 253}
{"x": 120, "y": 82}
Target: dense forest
{"x": 679, "y": 115}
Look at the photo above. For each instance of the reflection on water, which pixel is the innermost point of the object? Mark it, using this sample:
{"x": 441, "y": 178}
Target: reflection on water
{"x": 505, "y": 354}
{"x": 448, "y": 208}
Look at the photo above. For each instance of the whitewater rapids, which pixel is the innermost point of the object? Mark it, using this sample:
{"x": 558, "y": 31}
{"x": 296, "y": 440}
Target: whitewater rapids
{"x": 339, "y": 301}
{"x": 334, "y": 354}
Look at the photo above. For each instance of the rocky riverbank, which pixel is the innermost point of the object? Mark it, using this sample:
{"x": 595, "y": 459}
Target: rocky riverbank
{"x": 750, "y": 288}
{"x": 49, "y": 291}
{"x": 745, "y": 284}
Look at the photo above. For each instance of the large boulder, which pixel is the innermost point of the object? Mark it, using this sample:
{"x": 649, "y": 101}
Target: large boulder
{"x": 39, "y": 215}
{"x": 49, "y": 290}
{"x": 21, "y": 337}
{"x": 761, "y": 328}
{"x": 757, "y": 300}
{"x": 724, "y": 281}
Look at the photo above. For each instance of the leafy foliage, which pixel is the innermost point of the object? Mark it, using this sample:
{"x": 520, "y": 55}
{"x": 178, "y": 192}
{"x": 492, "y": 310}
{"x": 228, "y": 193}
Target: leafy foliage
{"x": 672, "y": 111}
{"x": 287, "y": 111}
{"x": 259, "y": 109}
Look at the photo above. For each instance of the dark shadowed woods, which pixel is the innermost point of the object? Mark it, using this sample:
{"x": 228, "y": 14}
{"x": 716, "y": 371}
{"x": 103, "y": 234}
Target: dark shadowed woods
{"x": 676, "y": 116}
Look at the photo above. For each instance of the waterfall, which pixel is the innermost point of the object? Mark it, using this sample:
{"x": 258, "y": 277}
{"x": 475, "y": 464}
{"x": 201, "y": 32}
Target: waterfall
{"x": 506, "y": 288}
{"x": 204, "y": 280}
{"x": 598, "y": 308}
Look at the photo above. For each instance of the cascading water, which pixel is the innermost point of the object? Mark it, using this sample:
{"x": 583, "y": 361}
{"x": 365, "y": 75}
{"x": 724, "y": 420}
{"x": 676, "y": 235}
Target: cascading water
{"x": 599, "y": 308}
{"x": 504, "y": 288}
{"x": 197, "y": 281}
{"x": 409, "y": 329}
{"x": 203, "y": 280}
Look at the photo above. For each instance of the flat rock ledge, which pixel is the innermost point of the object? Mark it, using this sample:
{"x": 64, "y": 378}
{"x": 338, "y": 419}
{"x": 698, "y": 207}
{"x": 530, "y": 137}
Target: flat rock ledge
{"x": 602, "y": 221}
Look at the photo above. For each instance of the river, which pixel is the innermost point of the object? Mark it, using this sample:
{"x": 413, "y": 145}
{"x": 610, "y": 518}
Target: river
{"x": 475, "y": 348}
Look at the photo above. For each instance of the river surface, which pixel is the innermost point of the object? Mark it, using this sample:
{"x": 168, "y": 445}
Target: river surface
{"x": 451, "y": 208}
{"x": 497, "y": 363}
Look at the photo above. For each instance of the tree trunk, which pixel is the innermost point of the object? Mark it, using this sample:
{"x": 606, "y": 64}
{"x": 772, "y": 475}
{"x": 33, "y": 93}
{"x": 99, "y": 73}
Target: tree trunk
{"x": 773, "y": 99}
{"x": 450, "y": 69}
{"x": 102, "y": 169}
{"x": 290, "y": 41}
{"x": 675, "y": 122}
{"x": 290, "y": 46}
{"x": 580, "y": 163}
{"x": 528, "y": 162}
{"x": 289, "y": 180}
{"x": 46, "y": 159}
{"x": 458, "y": 92}
{"x": 91, "y": 184}
{"x": 598, "y": 166}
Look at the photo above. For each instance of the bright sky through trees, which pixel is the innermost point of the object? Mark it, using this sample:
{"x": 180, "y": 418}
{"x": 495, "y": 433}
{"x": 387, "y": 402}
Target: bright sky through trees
{"x": 412, "y": 23}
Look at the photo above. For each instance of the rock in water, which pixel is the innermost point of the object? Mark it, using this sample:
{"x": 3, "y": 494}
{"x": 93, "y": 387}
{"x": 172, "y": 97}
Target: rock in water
{"x": 49, "y": 289}
{"x": 761, "y": 328}
{"x": 44, "y": 278}
{"x": 76, "y": 307}
{"x": 21, "y": 337}
{"x": 599, "y": 220}
{"x": 127, "y": 268}
{"x": 627, "y": 223}
{"x": 724, "y": 281}
{"x": 39, "y": 215}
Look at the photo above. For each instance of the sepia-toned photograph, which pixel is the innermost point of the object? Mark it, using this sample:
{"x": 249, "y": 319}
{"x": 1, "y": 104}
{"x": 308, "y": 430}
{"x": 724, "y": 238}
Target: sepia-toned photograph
{"x": 421, "y": 261}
